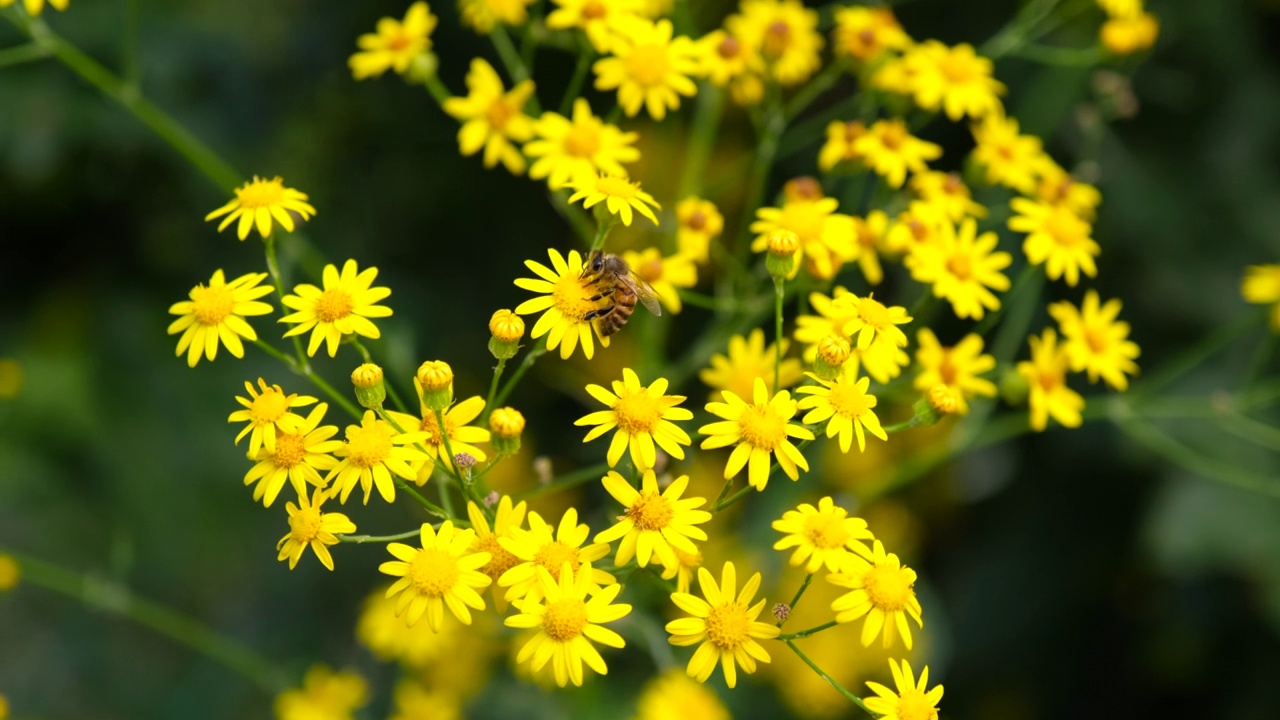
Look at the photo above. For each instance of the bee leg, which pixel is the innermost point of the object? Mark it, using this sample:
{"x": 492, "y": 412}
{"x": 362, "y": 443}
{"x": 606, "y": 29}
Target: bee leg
{"x": 596, "y": 314}
{"x": 604, "y": 294}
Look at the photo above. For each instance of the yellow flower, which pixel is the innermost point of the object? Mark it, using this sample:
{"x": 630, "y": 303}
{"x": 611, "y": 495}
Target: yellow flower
{"x": 834, "y": 313}
{"x": 664, "y": 275}
{"x": 1096, "y": 341}
{"x": 1121, "y": 8}
{"x": 760, "y": 430}
{"x": 1011, "y": 159}
{"x": 649, "y": 68}
{"x": 541, "y": 547}
{"x": 673, "y": 695}
{"x": 698, "y": 222}
{"x": 505, "y": 522}
{"x": 324, "y": 694}
{"x": 911, "y": 701}
{"x": 961, "y": 266}
{"x": 724, "y": 58}
{"x": 873, "y": 321}
{"x": 310, "y": 526}
{"x": 374, "y": 451}
{"x": 845, "y": 405}
{"x": 395, "y": 44}
{"x": 485, "y": 15}
{"x": 642, "y": 416}
{"x": 882, "y": 589}
{"x": 1128, "y": 35}
{"x": 957, "y": 368}
{"x": 462, "y": 438}
{"x": 656, "y": 8}
{"x": 745, "y": 360}
{"x": 1261, "y": 286}
{"x": 686, "y": 566}
{"x": 216, "y": 312}
{"x": 413, "y": 701}
{"x": 618, "y": 194}
{"x": 267, "y": 413}
{"x": 385, "y": 635}
{"x": 826, "y": 237}
{"x": 864, "y": 33}
{"x": 656, "y": 522}
{"x": 888, "y": 149}
{"x": 34, "y": 8}
{"x": 506, "y": 326}
{"x": 492, "y": 119}
{"x": 920, "y": 224}
{"x": 10, "y": 572}
{"x": 1046, "y": 375}
{"x": 724, "y": 626}
{"x": 444, "y": 571}
{"x": 955, "y": 80}
{"x": 571, "y": 616}
{"x": 870, "y": 234}
{"x": 784, "y": 33}
{"x": 601, "y": 20}
{"x": 948, "y": 193}
{"x": 569, "y": 151}
{"x": 1057, "y": 187}
{"x": 297, "y": 457}
{"x": 1057, "y": 238}
{"x": 841, "y": 145}
{"x": 260, "y": 202}
{"x": 565, "y": 303}
{"x": 343, "y": 307}
{"x": 822, "y": 536}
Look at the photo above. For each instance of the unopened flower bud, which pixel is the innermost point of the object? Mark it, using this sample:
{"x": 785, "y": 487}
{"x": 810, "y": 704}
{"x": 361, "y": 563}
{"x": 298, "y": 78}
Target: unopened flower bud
{"x": 781, "y": 258}
{"x": 506, "y": 329}
{"x": 833, "y": 353}
{"x": 1014, "y": 387}
{"x": 506, "y": 424}
{"x": 935, "y": 404}
{"x": 423, "y": 67}
{"x": 781, "y": 612}
{"x": 370, "y": 388}
{"x": 492, "y": 498}
{"x": 435, "y": 382}
{"x": 464, "y": 461}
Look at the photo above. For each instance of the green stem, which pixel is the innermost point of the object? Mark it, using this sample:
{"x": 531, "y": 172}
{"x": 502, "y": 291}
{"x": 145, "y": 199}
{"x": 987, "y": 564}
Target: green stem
{"x": 431, "y": 507}
{"x": 702, "y": 138}
{"x": 771, "y": 130}
{"x": 907, "y": 424}
{"x": 129, "y": 46}
{"x": 1187, "y": 458}
{"x": 830, "y": 680}
{"x": 574, "y": 215}
{"x": 1192, "y": 357}
{"x": 115, "y": 599}
{"x": 777, "y": 337}
{"x": 564, "y": 482}
{"x": 283, "y": 357}
{"x": 379, "y": 538}
{"x": 529, "y": 359}
{"x": 333, "y": 394}
{"x": 493, "y": 389}
{"x": 1060, "y": 56}
{"x": 1017, "y": 33}
{"x": 602, "y": 234}
{"x": 580, "y": 71}
{"x": 815, "y": 88}
{"x": 795, "y": 599}
{"x": 512, "y": 61}
{"x": 29, "y": 52}
{"x": 273, "y": 268}
{"x": 436, "y": 87}
{"x": 808, "y": 631}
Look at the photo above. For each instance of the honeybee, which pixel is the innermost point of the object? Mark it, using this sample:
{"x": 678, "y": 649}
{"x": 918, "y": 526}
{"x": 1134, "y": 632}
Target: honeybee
{"x": 615, "y": 280}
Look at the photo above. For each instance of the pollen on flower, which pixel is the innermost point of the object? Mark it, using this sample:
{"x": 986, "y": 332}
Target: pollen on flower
{"x": 826, "y": 531}
{"x": 638, "y": 412}
{"x": 763, "y": 428}
{"x": 429, "y": 425}
{"x": 850, "y": 401}
{"x": 648, "y": 65}
{"x": 305, "y": 525}
{"x": 368, "y": 446}
{"x": 212, "y": 305}
{"x": 554, "y": 555}
{"x": 269, "y": 406}
{"x": 334, "y": 304}
{"x": 651, "y": 512}
{"x": 888, "y": 588}
{"x": 433, "y": 572}
{"x": 564, "y": 619}
{"x": 501, "y": 559}
{"x": 291, "y": 450}
{"x": 728, "y": 625}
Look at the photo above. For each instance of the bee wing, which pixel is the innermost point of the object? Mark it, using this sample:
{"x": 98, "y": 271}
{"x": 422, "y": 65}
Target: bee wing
{"x": 646, "y": 293}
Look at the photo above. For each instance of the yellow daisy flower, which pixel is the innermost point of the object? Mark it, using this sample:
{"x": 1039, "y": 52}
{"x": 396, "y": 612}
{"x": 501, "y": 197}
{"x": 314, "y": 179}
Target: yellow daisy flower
{"x": 505, "y": 522}
{"x": 571, "y": 616}
{"x": 724, "y": 58}
{"x": 784, "y": 33}
{"x": 961, "y": 265}
{"x": 648, "y": 68}
{"x": 1058, "y": 188}
{"x": 870, "y": 234}
{"x": 297, "y": 457}
{"x": 682, "y": 572}
{"x": 955, "y": 80}
{"x": 260, "y": 202}
{"x": 656, "y": 522}
{"x": 462, "y": 437}
{"x": 881, "y": 589}
{"x": 664, "y": 275}
{"x": 822, "y": 535}
{"x": 343, "y": 307}
{"x": 642, "y": 416}
{"x": 324, "y": 694}
{"x": 578, "y": 149}
{"x": 267, "y": 414}
{"x": 484, "y": 15}
{"x": 948, "y": 193}
{"x": 956, "y": 368}
{"x": 844, "y": 405}
{"x": 619, "y": 195}
{"x": 920, "y": 224}
{"x": 444, "y": 571}
{"x": 674, "y": 695}
{"x": 745, "y": 360}
{"x": 1261, "y": 286}
{"x": 1095, "y": 341}
{"x": 564, "y": 303}
{"x": 374, "y": 451}
{"x": 34, "y": 8}
{"x": 698, "y": 222}
{"x": 386, "y": 636}
{"x": 395, "y": 45}
{"x": 911, "y": 701}
{"x": 1128, "y": 35}
{"x": 724, "y": 626}
{"x": 826, "y": 237}
{"x": 891, "y": 151}
{"x": 841, "y": 145}
{"x": 1046, "y": 375}
{"x": 309, "y": 526}
{"x": 543, "y": 547}
{"x": 492, "y": 118}
{"x": 874, "y": 321}
{"x": 864, "y": 33}
{"x": 217, "y": 312}
{"x": 1057, "y": 238}
{"x": 759, "y": 429}
{"x": 601, "y": 20}
{"x": 413, "y": 701}
{"x": 1010, "y": 158}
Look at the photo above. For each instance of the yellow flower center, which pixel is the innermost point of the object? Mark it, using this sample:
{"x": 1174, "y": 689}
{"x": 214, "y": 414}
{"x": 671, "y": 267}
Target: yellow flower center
{"x": 434, "y": 572}
{"x": 776, "y": 38}
{"x": 291, "y": 450}
{"x": 947, "y": 370}
{"x": 806, "y": 219}
{"x": 399, "y": 41}
{"x": 212, "y": 304}
{"x": 728, "y": 625}
{"x": 368, "y": 446}
{"x": 867, "y": 237}
{"x": 304, "y": 525}
{"x": 960, "y": 265}
{"x": 852, "y": 131}
{"x": 826, "y": 531}
{"x": 429, "y": 425}
{"x": 762, "y": 427}
{"x": 1096, "y": 338}
{"x": 334, "y": 304}
{"x": 501, "y": 560}
{"x": 888, "y": 588}
{"x": 1050, "y": 379}
{"x": 729, "y": 47}
{"x": 500, "y": 111}
{"x": 269, "y": 407}
{"x": 957, "y": 69}
{"x": 582, "y": 141}
{"x": 893, "y": 136}
{"x": 650, "y": 271}
{"x": 637, "y": 412}
{"x": 850, "y": 402}
{"x": 572, "y": 298}
{"x": 594, "y": 10}
{"x": 564, "y": 619}
{"x": 554, "y": 555}
{"x": 912, "y": 705}
{"x": 874, "y": 313}
{"x": 919, "y": 230}
{"x": 616, "y": 187}
{"x": 651, "y": 512}
{"x": 697, "y": 221}
{"x": 261, "y": 193}
{"x": 953, "y": 185}
{"x": 647, "y": 65}
{"x": 1063, "y": 227}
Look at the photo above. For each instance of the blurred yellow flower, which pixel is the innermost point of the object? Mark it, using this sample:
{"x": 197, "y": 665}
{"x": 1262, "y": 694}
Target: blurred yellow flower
{"x": 891, "y": 151}
{"x": 507, "y": 519}
{"x": 10, "y": 378}
{"x": 745, "y": 360}
{"x": 911, "y": 701}
{"x": 10, "y": 572}
{"x": 573, "y": 150}
{"x": 963, "y": 268}
{"x": 484, "y": 15}
{"x": 957, "y": 368}
{"x": 601, "y": 20}
{"x": 1046, "y": 375}
{"x": 458, "y": 436}
{"x": 1010, "y": 158}
{"x": 444, "y": 571}
{"x": 216, "y": 313}
{"x": 1261, "y": 286}
{"x": 881, "y": 589}
{"x": 955, "y": 80}
{"x": 822, "y": 535}
{"x": 758, "y": 429}
{"x": 655, "y": 522}
{"x": 649, "y": 68}
{"x": 1056, "y": 238}
{"x": 268, "y": 414}
{"x": 841, "y": 145}
{"x": 664, "y": 274}
{"x": 724, "y": 626}
{"x": 298, "y": 457}
{"x": 344, "y": 307}
{"x": 492, "y": 119}
{"x": 870, "y": 234}
{"x": 386, "y": 636}
{"x": 826, "y": 237}
{"x": 844, "y": 405}
{"x": 1096, "y": 341}
{"x": 259, "y": 203}
{"x": 564, "y": 303}
{"x": 641, "y": 417}
{"x": 948, "y": 193}
{"x": 686, "y": 566}
{"x": 619, "y": 195}
{"x": 413, "y": 701}
{"x": 543, "y": 547}
{"x": 673, "y": 695}
{"x": 833, "y": 314}
{"x": 785, "y": 35}
{"x": 920, "y": 224}
{"x": 1128, "y": 35}
{"x": 309, "y": 526}
{"x": 723, "y": 58}
{"x": 395, "y": 44}
{"x": 873, "y": 321}
{"x": 33, "y": 8}
{"x": 324, "y": 694}
{"x": 1120, "y": 8}
{"x": 698, "y": 222}
{"x": 864, "y": 33}
{"x": 1057, "y": 187}
{"x": 373, "y": 453}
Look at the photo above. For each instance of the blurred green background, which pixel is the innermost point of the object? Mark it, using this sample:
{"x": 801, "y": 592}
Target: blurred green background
{"x": 1065, "y": 574}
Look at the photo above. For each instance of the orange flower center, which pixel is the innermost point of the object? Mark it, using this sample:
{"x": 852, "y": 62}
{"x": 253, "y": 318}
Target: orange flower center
{"x": 729, "y": 47}
{"x": 594, "y": 10}
{"x": 728, "y": 625}
{"x": 638, "y": 412}
{"x": 212, "y": 304}
{"x": 434, "y": 572}
{"x": 1096, "y": 338}
{"x": 291, "y": 450}
{"x": 554, "y": 555}
{"x": 776, "y": 39}
{"x": 696, "y": 221}
{"x": 304, "y": 525}
{"x": 369, "y": 446}
{"x": 960, "y": 265}
{"x": 334, "y": 304}
{"x": 501, "y": 559}
{"x": 500, "y": 111}
{"x": 888, "y": 588}
{"x": 269, "y": 407}
{"x": 651, "y": 512}
{"x": 762, "y": 427}
{"x": 564, "y": 619}
{"x": 429, "y": 425}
